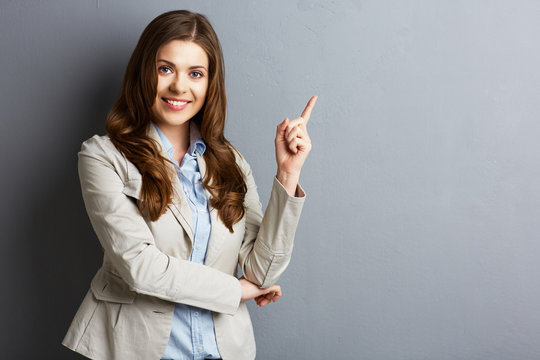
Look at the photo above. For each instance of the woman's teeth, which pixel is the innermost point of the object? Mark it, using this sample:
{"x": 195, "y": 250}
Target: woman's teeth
{"x": 176, "y": 103}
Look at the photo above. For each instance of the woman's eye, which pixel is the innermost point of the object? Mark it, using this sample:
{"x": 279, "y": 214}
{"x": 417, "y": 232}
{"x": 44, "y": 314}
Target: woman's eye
{"x": 164, "y": 70}
{"x": 197, "y": 74}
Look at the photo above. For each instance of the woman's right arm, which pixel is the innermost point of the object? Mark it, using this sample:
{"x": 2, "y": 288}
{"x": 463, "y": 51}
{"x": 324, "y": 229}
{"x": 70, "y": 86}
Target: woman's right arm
{"x": 129, "y": 244}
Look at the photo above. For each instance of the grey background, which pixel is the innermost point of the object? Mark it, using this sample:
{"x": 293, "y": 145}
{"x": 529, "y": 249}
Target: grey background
{"x": 419, "y": 238}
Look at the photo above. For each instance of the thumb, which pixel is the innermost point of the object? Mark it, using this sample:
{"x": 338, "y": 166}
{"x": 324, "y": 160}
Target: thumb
{"x": 282, "y": 127}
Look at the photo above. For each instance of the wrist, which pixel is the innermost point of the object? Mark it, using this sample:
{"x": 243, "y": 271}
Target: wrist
{"x": 288, "y": 180}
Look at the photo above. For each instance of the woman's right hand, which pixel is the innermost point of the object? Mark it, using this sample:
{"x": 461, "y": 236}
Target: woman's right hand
{"x": 262, "y": 296}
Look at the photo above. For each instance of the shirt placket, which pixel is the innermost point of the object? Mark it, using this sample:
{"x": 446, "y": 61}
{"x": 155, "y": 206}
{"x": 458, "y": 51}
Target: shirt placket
{"x": 188, "y": 174}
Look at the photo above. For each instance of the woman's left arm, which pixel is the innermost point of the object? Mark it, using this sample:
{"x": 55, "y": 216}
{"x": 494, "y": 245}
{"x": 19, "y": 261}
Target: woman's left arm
{"x": 268, "y": 241}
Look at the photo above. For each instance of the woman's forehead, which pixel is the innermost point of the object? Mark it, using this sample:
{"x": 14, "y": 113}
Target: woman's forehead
{"x": 183, "y": 53}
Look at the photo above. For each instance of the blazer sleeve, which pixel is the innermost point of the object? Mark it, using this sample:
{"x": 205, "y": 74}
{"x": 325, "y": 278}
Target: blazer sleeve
{"x": 129, "y": 244}
{"x": 268, "y": 242}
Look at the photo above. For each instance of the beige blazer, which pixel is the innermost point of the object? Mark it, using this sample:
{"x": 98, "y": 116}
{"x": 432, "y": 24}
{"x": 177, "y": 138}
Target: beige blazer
{"x": 128, "y": 311}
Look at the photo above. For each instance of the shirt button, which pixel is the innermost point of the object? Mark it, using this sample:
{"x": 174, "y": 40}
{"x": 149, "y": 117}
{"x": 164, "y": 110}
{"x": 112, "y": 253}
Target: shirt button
{"x": 199, "y": 349}
{"x": 198, "y": 247}
{"x": 196, "y": 314}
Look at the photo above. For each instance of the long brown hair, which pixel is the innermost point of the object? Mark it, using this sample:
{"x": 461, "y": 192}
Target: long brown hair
{"x": 129, "y": 118}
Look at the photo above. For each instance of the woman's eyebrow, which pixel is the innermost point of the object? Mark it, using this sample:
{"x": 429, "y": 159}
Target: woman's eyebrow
{"x": 191, "y": 67}
{"x": 197, "y": 67}
{"x": 166, "y": 61}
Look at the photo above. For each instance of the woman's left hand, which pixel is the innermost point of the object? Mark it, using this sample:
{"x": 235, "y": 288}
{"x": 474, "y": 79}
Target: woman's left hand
{"x": 261, "y": 296}
{"x": 266, "y": 299}
{"x": 292, "y": 148}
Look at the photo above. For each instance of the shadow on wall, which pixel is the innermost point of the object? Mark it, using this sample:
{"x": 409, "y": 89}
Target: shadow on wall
{"x": 62, "y": 250}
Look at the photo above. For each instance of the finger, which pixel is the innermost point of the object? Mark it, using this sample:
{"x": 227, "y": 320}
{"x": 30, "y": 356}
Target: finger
{"x": 309, "y": 107}
{"x": 299, "y": 132}
{"x": 263, "y": 302}
{"x": 282, "y": 127}
{"x": 296, "y": 143}
{"x": 299, "y": 121}
{"x": 281, "y": 131}
{"x": 285, "y": 123}
{"x": 265, "y": 299}
{"x": 295, "y": 132}
{"x": 293, "y": 124}
{"x": 276, "y": 289}
{"x": 303, "y": 145}
{"x": 293, "y": 145}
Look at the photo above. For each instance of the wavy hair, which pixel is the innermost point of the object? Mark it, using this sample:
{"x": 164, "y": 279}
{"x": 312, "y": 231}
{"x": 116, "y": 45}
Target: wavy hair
{"x": 127, "y": 122}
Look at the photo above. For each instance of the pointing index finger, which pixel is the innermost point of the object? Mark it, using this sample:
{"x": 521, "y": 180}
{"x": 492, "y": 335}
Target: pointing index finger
{"x": 307, "y": 111}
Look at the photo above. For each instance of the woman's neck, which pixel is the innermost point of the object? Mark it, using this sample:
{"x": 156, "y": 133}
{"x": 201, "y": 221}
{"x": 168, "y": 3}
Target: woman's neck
{"x": 179, "y": 137}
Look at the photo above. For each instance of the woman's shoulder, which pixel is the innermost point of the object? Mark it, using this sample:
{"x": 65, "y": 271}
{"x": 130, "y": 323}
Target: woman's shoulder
{"x": 99, "y": 145}
{"x": 100, "y": 149}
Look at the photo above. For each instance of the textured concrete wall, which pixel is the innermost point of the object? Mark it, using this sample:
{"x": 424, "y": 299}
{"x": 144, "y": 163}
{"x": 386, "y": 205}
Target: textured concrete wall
{"x": 419, "y": 238}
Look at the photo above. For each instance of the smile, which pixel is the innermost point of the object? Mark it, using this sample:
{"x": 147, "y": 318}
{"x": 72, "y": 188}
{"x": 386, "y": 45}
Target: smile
{"x": 175, "y": 104}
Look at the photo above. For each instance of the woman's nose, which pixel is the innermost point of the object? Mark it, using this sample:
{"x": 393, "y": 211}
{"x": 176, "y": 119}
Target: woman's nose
{"x": 179, "y": 84}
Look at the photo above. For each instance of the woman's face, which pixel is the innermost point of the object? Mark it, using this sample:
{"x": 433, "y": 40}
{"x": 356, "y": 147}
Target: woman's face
{"x": 182, "y": 82}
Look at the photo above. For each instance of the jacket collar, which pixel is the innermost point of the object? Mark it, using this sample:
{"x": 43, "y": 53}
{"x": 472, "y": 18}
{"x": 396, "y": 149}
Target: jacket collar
{"x": 179, "y": 206}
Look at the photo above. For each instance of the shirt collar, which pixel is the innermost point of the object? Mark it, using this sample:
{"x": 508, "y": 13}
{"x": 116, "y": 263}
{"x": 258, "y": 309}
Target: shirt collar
{"x": 196, "y": 143}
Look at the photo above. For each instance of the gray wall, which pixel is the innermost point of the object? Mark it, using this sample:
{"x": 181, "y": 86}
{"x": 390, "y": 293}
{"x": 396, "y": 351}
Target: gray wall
{"x": 419, "y": 239}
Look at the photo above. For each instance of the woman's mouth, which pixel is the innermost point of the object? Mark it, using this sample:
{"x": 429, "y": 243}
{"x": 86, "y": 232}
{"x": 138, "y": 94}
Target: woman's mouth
{"x": 176, "y": 104}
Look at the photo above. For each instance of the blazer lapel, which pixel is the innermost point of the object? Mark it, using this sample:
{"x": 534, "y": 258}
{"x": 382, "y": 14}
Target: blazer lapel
{"x": 179, "y": 207}
{"x": 215, "y": 241}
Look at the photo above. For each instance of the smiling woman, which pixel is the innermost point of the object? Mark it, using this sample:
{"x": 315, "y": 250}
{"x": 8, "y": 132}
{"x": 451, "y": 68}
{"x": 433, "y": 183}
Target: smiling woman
{"x": 176, "y": 210}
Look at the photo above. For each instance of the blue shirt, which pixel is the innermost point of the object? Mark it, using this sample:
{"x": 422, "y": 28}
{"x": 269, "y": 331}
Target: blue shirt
{"x": 192, "y": 334}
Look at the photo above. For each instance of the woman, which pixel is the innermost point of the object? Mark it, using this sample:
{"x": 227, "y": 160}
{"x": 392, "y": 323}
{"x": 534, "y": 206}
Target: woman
{"x": 176, "y": 209}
